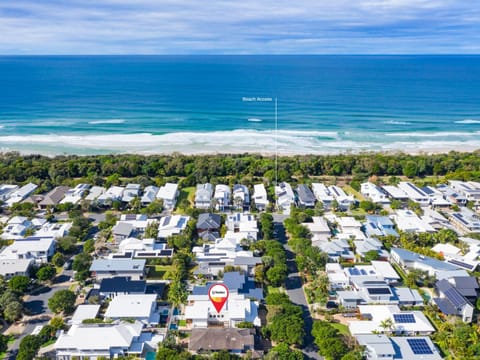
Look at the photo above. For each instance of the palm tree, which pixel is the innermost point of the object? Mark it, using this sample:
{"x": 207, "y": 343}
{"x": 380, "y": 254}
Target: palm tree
{"x": 387, "y": 325}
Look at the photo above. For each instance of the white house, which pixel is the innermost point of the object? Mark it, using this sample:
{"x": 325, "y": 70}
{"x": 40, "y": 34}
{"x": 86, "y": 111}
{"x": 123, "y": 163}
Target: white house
{"x": 408, "y": 221}
{"x": 16, "y": 228}
{"x": 101, "y": 340}
{"x": 172, "y": 225}
{"x": 20, "y": 194}
{"x": 108, "y": 268}
{"x": 14, "y": 267}
{"x": 241, "y": 196}
{"x": 37, "y": 248}
{"x": 200, "y": 312}
{"x": 168, "y": 193}
{"x": 131, "y": 192}
{"x": 323, "y": 194}
{"x": 144, "y": 248}
{"x": 374, "y": 193}
{"x": 414, "y": 193}
{"x": 395, "y": 193}
{"x": 403, "y": 322}
{"x": 285, "y": 196}
{"x": 319, "y": 229}
{"x": 203, "y": 196}
{"x": 260, "y": 197}
{"x": 344, "y": 201}
{"x": 75, "y": 194}
{"x": 149, "y": 195}
{"x": 245, "y": 225}
{"x": 53, "y": 230}
{"x": 94, "y": 193}
{"x": 6, "y": 190}
{"x": 139, "y": 307}
{"x": 222, "y": 197}
{"x": 114, "y": 193}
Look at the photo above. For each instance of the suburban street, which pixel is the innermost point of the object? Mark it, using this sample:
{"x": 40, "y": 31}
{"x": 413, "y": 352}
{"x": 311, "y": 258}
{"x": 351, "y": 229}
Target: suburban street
{"x": 37, "y": 306}
{"x": 294, "y": 289}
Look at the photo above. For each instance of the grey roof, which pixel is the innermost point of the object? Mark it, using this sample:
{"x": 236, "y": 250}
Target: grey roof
{"x": 246, "y": 260}
{"x": 54, "y": 196}
{"x": 465, "y": 282}
{"x": 230, "y": 339}
{"x": 103, "y": 265}
{"x": 410, "y": 256}
{"x": 122, "y": 284}
{"x": 122, "y": 228}
{"x": 380, "y": 344}
{"x": 207, "y": 221}
{"x": 242, "y": 284}
{"x": 305, "y": 194}
{"x": 445, "y": 306}
{"x": 451, "y": 295}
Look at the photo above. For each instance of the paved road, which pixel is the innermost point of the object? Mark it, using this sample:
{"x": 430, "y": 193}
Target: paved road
{"x": 37, "y": 305}
{"x": 294, "y": 288}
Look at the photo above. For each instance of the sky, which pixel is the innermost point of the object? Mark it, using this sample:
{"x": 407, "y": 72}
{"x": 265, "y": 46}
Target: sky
{"x": 239, "y": 27}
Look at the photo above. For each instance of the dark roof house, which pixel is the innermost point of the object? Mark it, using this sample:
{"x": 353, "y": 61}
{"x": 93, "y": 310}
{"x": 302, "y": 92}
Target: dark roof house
{"x": 229, "y": 339}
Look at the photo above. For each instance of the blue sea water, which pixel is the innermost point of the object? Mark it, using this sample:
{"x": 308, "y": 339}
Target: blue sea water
{"x": 150, "y": 104}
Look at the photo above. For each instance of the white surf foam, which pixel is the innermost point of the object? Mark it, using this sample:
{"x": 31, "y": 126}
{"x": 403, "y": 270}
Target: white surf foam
{"x": 112, "y": 121}
{"x": 237, "y": 141}
{"x": 432, "y": 134}
{"x": 467, "y": 121}
{"x": 397, "y": 122}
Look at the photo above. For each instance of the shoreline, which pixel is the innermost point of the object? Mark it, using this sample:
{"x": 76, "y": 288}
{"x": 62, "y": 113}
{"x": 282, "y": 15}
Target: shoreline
{"x": 266, "y": 143}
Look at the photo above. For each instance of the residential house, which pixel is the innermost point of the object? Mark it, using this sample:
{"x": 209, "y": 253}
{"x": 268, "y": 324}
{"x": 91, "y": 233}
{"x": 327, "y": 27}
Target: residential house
{"x": 402, "y": 322}
{"x": 139, "y": 307}
{"x": 143, "y": 248}
{"x": 53, "y": 197}
{"x": 466, "y": 221}
{"x": 16, "y": 228}
{"x": 241, "y": 197}
{"x": 451, "y": 302}
{"x": 222, "y": 197}
{"x": 260, "y": 197}
{"x": 121, "y": 285}
{"x": 337, "y": 250}
{"x": 437, "y": 199}
{"x": 131, "y": 192}
{"x": 200, "y": 313}
{"x": 240, "y": 283}
{"x": 305, "y": 197}
{"x": 14, "y": 267}
{"x": 6, "y": 190}
{"x": 395, "y": 193}
{"x": 469, "y": 190}
{"x": 319, "y": 229}
{"x": 362, "y": 247}
{"x": 84, "y": 312}
{"x": 208, "y": 226}
{"x": 20, "y": 194}
{"x": 347, "y": 227}
{"x": 203, "y": 196}
{"x": 94, "y": 193}
{"x": 285, "y": 197}
{"x": 101, "y": 340}
{"x": 382, "y": 347}
{"x": 410, "y": 260}
{"x": 172, "y": 225}
{"x": 414, "y": 193}
{"x": 408, "y": 221}
{"x": 374, "y": 193}
{"x": 149, "y": 195}
{"x": 343, "y": 200}
{"x": 40, "y": 249}
{"x": 236, "y": 341}
{"x": 168, "y": 193}
{"x": 242, "y": 226}
{"x": 108, "y": 268}
{"x": 73, "y": 196}
{"x": 122, "y": 230}
{"x": 323, "y": 194}
{"x": 53, "y": 230}
{"x": 376, "y": 226}
{"x": 113, "y": 193}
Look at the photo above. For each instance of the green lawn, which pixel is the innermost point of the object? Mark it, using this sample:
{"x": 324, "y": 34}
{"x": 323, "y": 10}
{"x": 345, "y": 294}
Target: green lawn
{"x": 349, "y": 190}
{"x": 343, "y": 329}
{"x": 188, "y": 194}
{"x": 159, "y": 272}
{"x": 274, "y": 290}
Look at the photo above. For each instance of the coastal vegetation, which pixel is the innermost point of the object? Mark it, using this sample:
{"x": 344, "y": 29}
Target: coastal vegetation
{"x": 192, "y": 169}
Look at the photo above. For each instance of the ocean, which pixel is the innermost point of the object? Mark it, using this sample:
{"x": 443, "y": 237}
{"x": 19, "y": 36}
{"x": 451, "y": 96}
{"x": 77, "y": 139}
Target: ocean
{"x": 226, "y": 104}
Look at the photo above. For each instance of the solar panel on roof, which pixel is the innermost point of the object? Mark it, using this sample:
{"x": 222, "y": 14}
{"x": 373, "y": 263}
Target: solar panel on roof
{"x": 461, "y": 264}
{"x": 456, "y": 299}
{"x": 167, "y": 220}
{"x": 404, "y": 318}
{"x": 181, "y": 222}
{"x": 378, "y": 291}
{"x": 130, "y": 217}
{"x": 419, "y": 346}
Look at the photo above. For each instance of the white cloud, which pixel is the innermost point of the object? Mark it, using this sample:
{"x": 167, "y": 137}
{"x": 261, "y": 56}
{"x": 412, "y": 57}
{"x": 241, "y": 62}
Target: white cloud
{"x": 249, "y": 26}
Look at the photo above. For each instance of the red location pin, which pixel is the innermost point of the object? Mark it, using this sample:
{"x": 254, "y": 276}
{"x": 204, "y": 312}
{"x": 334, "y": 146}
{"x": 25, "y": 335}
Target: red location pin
{"x": 218, "y": 294}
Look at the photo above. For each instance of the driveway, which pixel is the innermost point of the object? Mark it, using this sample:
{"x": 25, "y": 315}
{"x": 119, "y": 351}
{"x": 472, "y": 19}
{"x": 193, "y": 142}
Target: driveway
{"x": 294, "y": 287}
{"x": 36, "y": 305}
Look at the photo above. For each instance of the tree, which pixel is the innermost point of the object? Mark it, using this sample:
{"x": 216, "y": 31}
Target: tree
{"x": 283, "y": 352}
{"x": 81, "y": 264}
{"x": 3, "y": 343}
{"x": 410, "y": 169}
{"x": 28, "y": 347}
{"x": 371, "y": 255}
{"x": 46, "y": 273}
{"x": 62, "y": 300}
{"x": 19, "y": 283}
{"x": 152, "y": 230}
{"x": 67, "y": 244}
{"x": 58, "y": 259}
{"x": 177, "y": 292}
{"x": 13, "y": 310}
{"x": 89, "y": 246}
